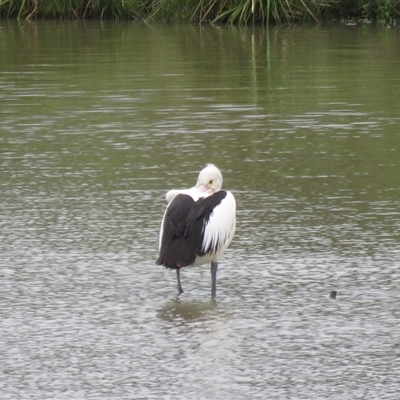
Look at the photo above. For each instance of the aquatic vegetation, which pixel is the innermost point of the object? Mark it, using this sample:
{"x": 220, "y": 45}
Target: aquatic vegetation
{"x": 207, "y": 11}
{"x": 386, "y": 11}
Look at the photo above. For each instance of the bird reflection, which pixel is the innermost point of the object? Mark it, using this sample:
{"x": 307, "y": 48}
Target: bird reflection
{"x": 178, "y": 309}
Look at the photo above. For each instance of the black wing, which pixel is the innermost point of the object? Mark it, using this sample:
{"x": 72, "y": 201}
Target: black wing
{"x": 183, "y": 229}
{"x": 175, "y": 251}
{"x": 199, "y": 216}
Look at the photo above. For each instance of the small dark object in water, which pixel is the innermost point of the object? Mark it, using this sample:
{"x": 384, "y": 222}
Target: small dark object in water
{"x": 333, "y": 294}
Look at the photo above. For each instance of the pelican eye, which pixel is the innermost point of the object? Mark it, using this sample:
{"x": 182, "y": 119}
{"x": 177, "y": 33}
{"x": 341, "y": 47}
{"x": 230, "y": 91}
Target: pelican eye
{"x": 210, "y": 182}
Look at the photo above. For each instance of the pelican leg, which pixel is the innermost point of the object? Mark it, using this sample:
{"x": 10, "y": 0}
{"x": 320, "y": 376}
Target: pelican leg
{"x": 214, "y": 268}
{"x": 178, "y": 278}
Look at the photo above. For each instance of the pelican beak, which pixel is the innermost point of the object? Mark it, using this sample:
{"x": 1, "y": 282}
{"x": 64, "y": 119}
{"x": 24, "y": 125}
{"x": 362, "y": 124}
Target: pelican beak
{"x": 204, "y": 189}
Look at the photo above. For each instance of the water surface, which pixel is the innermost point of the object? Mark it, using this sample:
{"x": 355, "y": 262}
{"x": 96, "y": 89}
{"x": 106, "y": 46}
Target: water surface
{"x": 98, "y": 121}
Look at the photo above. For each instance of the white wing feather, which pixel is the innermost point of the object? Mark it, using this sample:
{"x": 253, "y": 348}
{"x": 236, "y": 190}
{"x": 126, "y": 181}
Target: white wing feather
{"x": 221, "y": 226}
{"x": 192, "y": 192}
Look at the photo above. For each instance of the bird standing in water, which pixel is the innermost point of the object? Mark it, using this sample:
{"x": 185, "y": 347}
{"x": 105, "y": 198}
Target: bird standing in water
{"x": 198, "y": 225}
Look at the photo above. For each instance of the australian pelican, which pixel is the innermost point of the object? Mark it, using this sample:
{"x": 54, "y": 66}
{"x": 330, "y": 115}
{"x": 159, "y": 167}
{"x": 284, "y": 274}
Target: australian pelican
{"x": 198, "y": 225}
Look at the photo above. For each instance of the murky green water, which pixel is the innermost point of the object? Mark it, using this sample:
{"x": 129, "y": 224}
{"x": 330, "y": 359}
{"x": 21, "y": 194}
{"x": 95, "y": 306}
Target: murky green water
{"x": 98, "y": 121}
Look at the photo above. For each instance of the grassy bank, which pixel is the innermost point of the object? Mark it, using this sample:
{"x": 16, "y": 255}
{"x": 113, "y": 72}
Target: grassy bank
{"x": 209, "y": 11}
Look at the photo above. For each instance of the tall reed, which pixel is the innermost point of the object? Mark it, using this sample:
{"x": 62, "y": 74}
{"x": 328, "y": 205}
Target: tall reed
{"x": 210, "y": 11}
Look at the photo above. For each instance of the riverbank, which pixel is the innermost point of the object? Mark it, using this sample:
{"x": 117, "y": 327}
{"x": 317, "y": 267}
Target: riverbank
{"x": 207, "y": 11}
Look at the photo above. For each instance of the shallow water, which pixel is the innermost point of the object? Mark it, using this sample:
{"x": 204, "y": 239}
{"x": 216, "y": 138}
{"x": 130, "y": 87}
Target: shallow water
{"x": 98, "y": 121}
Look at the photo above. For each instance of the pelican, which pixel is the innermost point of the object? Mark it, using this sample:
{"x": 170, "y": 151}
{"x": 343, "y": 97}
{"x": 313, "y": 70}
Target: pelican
{"x": 198, "y": 225}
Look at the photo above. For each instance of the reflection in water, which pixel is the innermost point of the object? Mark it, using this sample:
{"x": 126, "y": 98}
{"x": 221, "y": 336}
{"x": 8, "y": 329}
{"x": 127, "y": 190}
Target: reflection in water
{"x": 99, "y": 121}
{"x": 178, "y": 309}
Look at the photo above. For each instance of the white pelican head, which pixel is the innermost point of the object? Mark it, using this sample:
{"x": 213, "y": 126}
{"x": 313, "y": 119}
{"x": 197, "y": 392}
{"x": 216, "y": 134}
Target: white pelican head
{"x": 209, "y": 180}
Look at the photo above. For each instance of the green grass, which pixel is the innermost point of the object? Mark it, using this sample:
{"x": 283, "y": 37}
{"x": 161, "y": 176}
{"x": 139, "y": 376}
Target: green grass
{"x": 206, "y": 11}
